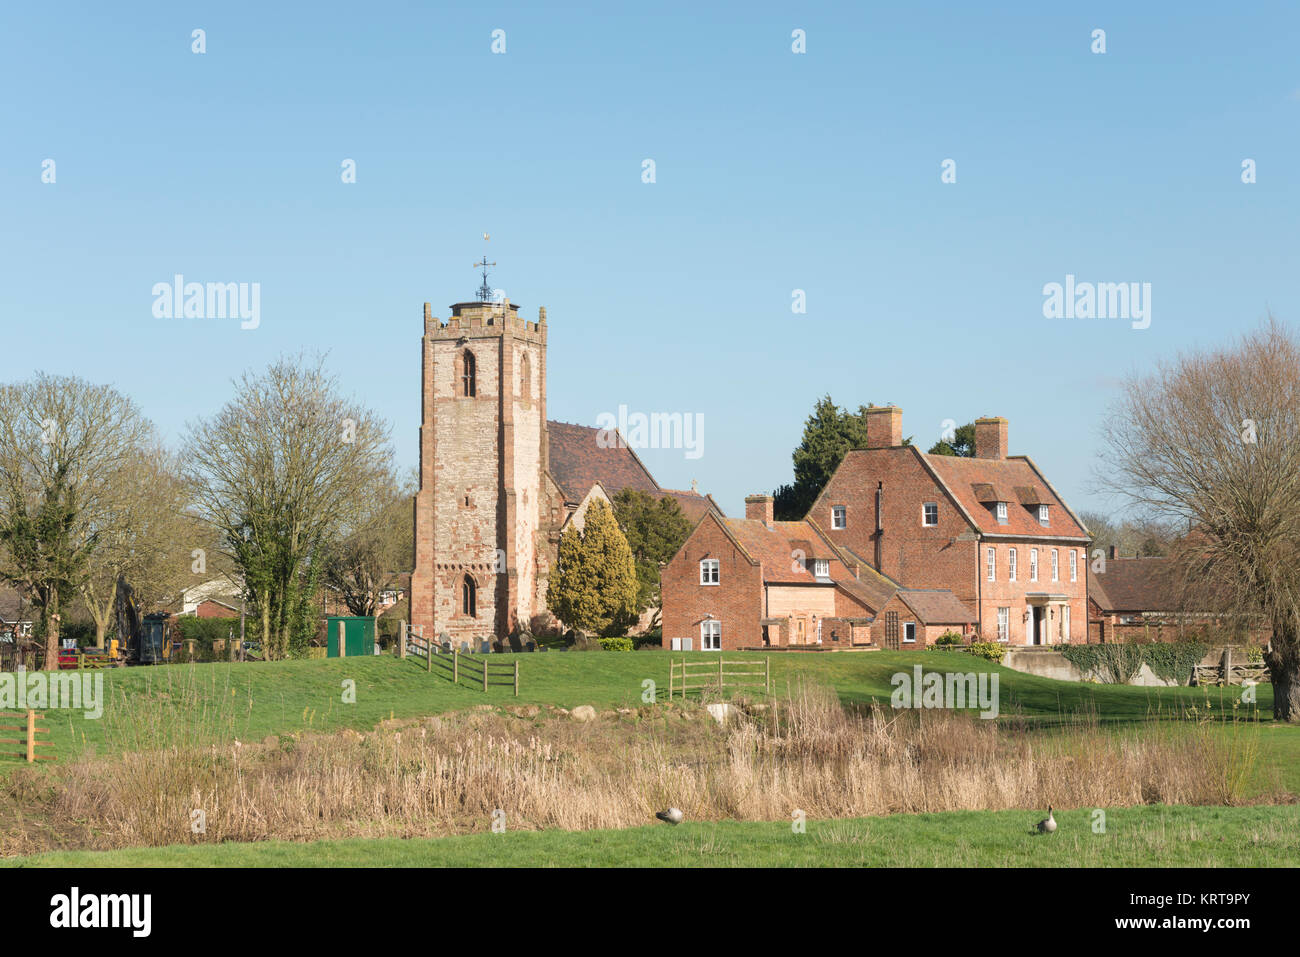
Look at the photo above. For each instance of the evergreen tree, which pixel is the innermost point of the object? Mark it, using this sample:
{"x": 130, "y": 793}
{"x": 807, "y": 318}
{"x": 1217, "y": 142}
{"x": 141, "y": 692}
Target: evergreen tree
{"x": 594, "y": 586}
{"x": 828, "y": 435}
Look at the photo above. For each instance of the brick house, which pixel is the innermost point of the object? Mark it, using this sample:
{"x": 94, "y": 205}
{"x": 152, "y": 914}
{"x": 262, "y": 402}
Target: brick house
{"x": 499, "y": 481}
{"x": 990, "y": 529}
{"x": 1141, "y": 599}
{"x": 759, "y": 583}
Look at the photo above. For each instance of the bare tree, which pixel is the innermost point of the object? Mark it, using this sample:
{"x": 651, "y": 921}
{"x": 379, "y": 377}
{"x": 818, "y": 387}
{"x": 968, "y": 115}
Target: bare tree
{"x": 146, "y": 537}
{"x": 378, "y": 544}
{"x": 279, "y": 471}
{"x": 1212, "y": 441}
{"x": 61, "y": 439}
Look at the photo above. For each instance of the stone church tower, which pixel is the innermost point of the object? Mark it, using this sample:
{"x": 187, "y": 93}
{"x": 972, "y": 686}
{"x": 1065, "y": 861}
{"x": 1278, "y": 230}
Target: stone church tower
{"x": 480, "y": 552}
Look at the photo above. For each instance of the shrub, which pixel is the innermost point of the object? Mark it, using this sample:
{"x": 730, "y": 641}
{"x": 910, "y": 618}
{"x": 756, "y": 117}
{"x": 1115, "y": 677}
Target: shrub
{"x": 654, "y": 638}
{"x": 988, "y": 650}
{"x": 948, "y": 639}
{"x": 615, "y": 644}
{"x": 1255, "y": 654}
{"x": 1118, "y": 662}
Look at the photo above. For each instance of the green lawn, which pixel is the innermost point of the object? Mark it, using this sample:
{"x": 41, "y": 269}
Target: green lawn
{"x": 1148, "y": 836}
{"x": 254, "y": 700}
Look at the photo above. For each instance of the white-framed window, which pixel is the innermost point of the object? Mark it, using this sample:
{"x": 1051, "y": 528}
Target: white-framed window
{"x": 710, "y": 570}
{"x": 909, "y": 632}
{"x": 1033, "y": 564}
{"x": 822, "y": 568}
{"x": 1074, "y": 565}
{"x": 839, "y": 516}
{"x": 1004, "y": 624}
{"x": 1002, "y": 513}
{"x": 1056, "y": 566}
{"x": 711, "y": 635}
{"x": 991, "y": 564}
{"x": 1042, "y": 515}
{"x": 1065, "y": 622}
{"x": 1011, "y": 564}
{"x": 930, "y": 514}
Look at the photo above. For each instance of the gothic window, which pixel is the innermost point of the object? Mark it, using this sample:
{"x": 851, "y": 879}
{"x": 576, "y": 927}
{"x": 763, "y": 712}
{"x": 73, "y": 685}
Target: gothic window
{"x": 469, "y": 598}
{"x": 467, "y": 374}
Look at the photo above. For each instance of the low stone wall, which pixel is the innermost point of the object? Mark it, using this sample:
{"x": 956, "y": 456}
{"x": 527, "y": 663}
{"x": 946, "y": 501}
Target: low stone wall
{"x": 1222, "y": 665}
{"x": 1047, "y": 663}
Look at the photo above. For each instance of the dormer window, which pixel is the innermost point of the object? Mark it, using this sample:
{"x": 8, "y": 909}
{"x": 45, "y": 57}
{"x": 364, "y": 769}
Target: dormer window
{"x": 1002, "y": 513}
{"x": 1042, "y": 515}
{"x": 822, "y": 568}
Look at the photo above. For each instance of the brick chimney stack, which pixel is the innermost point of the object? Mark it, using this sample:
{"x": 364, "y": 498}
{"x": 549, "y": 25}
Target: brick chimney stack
{"x": 759, "y": 507}
{"x": 991, "y": 438}
{"x": 884, "y": 427}
{"x": 1114, "y": 551}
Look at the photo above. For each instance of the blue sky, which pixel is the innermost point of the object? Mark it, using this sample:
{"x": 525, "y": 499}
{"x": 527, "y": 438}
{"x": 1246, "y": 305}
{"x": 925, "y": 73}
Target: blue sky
{"x": 774, "y": 172}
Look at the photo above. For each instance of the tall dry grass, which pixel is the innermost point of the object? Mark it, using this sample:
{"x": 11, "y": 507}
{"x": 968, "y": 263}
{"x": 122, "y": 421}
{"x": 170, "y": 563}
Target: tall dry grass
{"x": 448, "y": 775}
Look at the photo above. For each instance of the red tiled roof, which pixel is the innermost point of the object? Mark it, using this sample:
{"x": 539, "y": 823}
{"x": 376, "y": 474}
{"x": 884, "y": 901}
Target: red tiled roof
{"x": 974, "y": 481}
{"x": 578, "y": 461}
{"x": 772, "y": 549}
{"x": 694, "y": 505}
{"x": 936, "y": 606}
{"x": 1135, "y": 584}
{"x": 871, "y": 588}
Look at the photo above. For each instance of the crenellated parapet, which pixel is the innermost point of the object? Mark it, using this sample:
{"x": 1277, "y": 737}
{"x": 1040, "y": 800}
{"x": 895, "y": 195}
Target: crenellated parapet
{"x": 481, "y": 320}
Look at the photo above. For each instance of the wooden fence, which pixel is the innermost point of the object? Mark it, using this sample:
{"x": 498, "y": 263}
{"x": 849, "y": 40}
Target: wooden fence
{"x": 29, "y": 728}
{"x": 695, "y": 676}
{"x": 481, "y": 672}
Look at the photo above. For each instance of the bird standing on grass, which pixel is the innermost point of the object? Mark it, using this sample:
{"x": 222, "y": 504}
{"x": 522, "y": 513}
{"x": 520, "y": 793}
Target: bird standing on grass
{"x": 674, "y": 816}
{"x": 1048, "y": 824}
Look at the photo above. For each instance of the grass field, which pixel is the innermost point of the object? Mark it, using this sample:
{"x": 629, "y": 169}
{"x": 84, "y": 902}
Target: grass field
{"x": 1148, "y": 836}
{"x": 259, "y": 699}
{"x": 187, "y": 706}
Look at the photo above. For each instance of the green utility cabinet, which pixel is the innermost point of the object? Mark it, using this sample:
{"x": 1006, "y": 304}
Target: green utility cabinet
{"x": 358, "y": 636}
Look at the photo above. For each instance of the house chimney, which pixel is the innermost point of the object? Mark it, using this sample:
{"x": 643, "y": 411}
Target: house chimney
{"x": 991, "y": 438}
{"x": 1114, "y": 551}
{"x": 759, "y": 507}
{"x": 884, "y": 427}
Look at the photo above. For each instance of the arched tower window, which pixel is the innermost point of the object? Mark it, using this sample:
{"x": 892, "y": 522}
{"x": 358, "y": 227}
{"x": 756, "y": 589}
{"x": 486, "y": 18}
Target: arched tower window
{"x": 525, "y": 379}
{"x": 468, "y": 374}
{"x": 469, "y": 597}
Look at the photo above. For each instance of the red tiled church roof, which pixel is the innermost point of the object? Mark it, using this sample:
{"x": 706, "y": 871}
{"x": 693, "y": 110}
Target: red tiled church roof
{"x": 581, "y": 456}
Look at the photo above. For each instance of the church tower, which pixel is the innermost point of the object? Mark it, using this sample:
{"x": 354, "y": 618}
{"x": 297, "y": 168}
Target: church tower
{"x": 479, "y": 568}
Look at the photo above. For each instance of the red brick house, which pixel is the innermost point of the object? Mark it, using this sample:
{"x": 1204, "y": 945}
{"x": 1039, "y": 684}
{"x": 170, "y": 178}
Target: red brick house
{"x": 758, "y": 583}
{"x": 1141, "y": 599}
{"x": 990, "y": 529}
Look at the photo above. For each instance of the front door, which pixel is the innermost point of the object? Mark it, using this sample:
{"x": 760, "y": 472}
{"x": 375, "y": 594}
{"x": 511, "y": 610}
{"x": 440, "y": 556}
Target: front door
{"x": 1036, "y": 624}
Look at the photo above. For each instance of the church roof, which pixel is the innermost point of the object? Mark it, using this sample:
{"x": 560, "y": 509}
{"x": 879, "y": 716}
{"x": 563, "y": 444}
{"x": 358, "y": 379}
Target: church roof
{"x": 581, "y": 456}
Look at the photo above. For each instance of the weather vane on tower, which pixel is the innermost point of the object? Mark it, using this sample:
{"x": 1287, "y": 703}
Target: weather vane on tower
{"x": 484, "y": 291}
